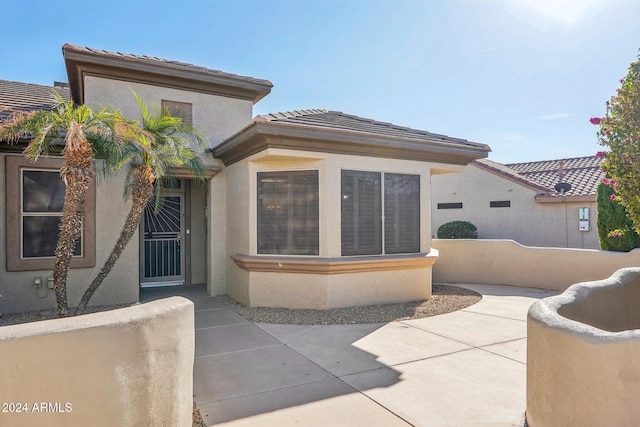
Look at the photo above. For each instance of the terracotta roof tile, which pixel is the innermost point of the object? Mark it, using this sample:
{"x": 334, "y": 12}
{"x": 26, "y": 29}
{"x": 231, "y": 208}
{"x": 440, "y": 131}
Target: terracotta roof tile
{"x": 583, "y": 173}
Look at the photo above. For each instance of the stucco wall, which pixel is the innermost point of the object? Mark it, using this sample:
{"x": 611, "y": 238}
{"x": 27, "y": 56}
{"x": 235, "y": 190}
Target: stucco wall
{"x": 217, "y": 117}
{"x": 505, "y": 262}
{"x": 323, "y": 292}
{"x": 198, "y": 232}
{"x": 582, "y": 368}
{"x": 17, "y": 292}
{"x": 238, "y": 229}
{"x": 217, "y": 234}
{"x": 127, "y": 367}
{"x": 527, "y": 222}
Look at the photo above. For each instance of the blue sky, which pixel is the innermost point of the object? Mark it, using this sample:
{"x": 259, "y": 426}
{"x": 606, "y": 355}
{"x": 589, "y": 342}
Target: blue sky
{"x": 523, "y": 76}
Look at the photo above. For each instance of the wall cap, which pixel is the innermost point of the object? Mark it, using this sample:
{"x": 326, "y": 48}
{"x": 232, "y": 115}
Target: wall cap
{"x": 334, "y": 265}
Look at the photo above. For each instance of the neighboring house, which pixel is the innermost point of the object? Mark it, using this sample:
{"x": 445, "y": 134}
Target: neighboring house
{"x": 306, "y": 209}
{"x": 519, "y": 201}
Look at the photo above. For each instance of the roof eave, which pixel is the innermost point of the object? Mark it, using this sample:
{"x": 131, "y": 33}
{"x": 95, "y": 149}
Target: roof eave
{"x": 81, "y": 63}
{"x": 513, "y": 178}
{"x": 262, "y": 135}
{"x": 557, "y": 198}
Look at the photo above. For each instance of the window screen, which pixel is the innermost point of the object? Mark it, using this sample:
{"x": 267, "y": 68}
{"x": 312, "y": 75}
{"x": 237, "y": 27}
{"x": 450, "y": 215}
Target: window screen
{"x": 42, "y": 199}
{"x": 401, "y": 213}
{"x": 361, "y": 213}
{"x": 288, "y": 213}
{"x": 362, "y": 206}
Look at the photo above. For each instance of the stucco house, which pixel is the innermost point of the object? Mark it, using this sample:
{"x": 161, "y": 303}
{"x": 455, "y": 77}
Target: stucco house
{"x": 520, "y": 201}
{"x": 303, "y": 209}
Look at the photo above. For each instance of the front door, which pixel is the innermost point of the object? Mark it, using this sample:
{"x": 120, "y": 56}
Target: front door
{"x": 162, "y": 257}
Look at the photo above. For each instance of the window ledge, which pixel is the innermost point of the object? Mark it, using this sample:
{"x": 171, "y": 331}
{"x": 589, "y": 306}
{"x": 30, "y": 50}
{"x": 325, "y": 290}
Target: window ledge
{"x": 337, "y": 265}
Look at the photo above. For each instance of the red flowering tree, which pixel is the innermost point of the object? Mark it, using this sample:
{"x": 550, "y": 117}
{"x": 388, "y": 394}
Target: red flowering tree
{"x": 620, "y": 132}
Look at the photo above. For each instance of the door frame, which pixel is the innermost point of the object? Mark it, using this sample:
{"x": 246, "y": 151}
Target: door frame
{"x": 185, "y": 240}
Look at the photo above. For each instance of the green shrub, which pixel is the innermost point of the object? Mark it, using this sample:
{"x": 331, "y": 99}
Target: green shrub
{"x": 457, "y": 230}
{"x": 615, "y": 229}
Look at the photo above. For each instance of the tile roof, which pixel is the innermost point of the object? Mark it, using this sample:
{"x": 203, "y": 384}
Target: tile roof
{"x": 583, "y": 173}
{"x": 337, "y": 120}
{"x": 27, "y": 96}
{"x": 154, "y": 60}
{"x": 80, "y": 61}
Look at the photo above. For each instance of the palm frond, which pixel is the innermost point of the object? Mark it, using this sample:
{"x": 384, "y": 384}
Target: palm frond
{"x": 170, "y": 142}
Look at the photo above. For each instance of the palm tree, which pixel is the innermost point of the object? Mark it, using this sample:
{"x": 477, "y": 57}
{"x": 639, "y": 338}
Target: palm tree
{"x": 86, "y": 135}
{"x": 168, "y": 143}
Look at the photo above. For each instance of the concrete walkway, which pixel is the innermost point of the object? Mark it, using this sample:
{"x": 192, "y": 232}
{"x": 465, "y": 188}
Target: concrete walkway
{"x": 458, "y": 369}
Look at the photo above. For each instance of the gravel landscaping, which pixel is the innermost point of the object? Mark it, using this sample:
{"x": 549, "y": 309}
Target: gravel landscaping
{"x": 445, "y": 300}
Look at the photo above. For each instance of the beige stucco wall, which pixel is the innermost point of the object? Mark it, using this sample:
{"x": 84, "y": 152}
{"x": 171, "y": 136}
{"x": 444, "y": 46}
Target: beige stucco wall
{"x": 322, "y": 292}
{"x": 261, "y": 288}
{"x": 127, "y": 367}
{"x": 218, "y": 118}
{"x": 198, "y": 232}
{"x": 238, "y": 229}
{"x": 527, "y": 222}
{"x": 217, "y": 234}
{"x": 17, "y": 292}
{"x": 580, "y": 374}
{"x": 505, "y": 262}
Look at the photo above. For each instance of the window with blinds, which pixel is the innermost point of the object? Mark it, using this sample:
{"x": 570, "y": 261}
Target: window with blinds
{"x": 184, "y": 110}
{"x": 42, "y": 200}
{"x": 401, "y": 213}
{"x": 361, "y": 213}
{"x": 363, "y": 202}
{"x": 35, "y": 197}
{"x": 288, "y": 213}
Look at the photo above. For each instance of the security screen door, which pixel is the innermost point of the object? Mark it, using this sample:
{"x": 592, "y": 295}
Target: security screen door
{"x": 162, "y": 257}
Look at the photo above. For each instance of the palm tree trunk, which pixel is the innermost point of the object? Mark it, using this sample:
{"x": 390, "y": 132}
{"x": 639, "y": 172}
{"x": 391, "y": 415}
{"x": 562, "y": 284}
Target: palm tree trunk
{"x": 76, "y": 173}
{"x": 142, "y": 191}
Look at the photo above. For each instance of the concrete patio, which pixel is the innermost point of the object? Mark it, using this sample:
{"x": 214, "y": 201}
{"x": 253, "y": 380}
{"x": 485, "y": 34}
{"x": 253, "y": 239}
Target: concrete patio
{"x": 457, "y": 369}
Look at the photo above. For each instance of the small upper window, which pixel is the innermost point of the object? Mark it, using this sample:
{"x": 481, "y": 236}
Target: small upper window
{"x": 450, "y": 205}
{"x": 184, "y": 110}
{"x": 500, "y": 204}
